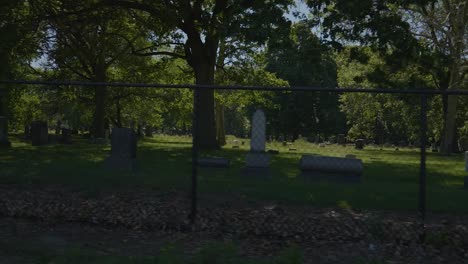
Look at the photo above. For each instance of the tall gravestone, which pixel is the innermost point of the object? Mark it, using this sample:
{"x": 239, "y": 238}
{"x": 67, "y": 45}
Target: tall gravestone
{"x": 66, "y": 136}
{"x": 340, "y": 140}
{"x": 4, "y": 132}
{"x": 257, "y": 160}
{"x": 359, "y": 143}
{"x": 58, "y": 127}
{"x": 123, "y": 149}
{"x": 39, "y": 133}
{"x": 466, "y": 169}
{"x": 148, "y": 131}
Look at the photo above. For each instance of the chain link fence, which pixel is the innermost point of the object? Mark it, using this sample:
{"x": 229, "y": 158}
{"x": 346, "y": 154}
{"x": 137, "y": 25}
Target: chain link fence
{"x": 343, "y": 173}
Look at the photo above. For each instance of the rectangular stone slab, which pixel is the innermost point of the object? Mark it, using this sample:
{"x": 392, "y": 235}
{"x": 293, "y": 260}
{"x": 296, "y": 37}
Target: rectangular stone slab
{"x": 124, "y": 143}
{"x": 39, "y": 133}
{"x": 330, "y": 164}
{"x": 214, "y": 162}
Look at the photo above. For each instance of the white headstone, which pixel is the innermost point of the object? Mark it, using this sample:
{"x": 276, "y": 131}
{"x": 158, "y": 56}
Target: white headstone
{"x": 466, "y": 161}
{"x": 257, "y": 140}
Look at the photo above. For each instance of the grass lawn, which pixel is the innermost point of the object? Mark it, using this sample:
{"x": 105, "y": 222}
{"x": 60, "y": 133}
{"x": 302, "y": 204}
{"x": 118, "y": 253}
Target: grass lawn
{"x": 390, "y": 179}
{"x": 227, "y": 253}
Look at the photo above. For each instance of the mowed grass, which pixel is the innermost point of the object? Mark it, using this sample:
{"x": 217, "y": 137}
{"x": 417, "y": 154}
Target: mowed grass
{"x": 390, "y": 180}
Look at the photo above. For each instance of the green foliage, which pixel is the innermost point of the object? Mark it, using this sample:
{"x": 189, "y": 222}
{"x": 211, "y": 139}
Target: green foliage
{"x": 302, "y": 60}
{"x": 240, "y": 105}
{"x": 383, "y": 117}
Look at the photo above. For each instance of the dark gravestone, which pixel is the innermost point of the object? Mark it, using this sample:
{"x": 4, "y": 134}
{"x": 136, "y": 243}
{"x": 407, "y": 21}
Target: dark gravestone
{"x": 148, "y": 131}
{"x": 317, "y": 139}
{"x": 123, "y": 149}
{"x": 39, "y": 133}
{"x": 4, "y": 132}
{"x": 58, "y": 127}
{"x": 434, "y": 147}
{"x": 27, "y": 132}
{"x": 463, "y": 144}
{"x": 402, "y": 143}
{"x": 66, "y": 136}
{"x": 341, "y": 139}
{"x": 140, "y": 133}
{"x": 320, "y": 168}
{"x": 359, "y": 143}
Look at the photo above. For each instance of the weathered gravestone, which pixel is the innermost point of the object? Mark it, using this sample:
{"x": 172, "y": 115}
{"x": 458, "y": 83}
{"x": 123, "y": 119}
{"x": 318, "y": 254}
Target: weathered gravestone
{"x": 320, "y": 168}
{"x": 123, "y": 149}
{"x": 27, "y": 132}
{"x": 58, "y": 127}
{"x": 148, "y": 131}
{"x": 4, "y": 132}
{"x": 463, "y": 143}
{"x": 39, "y": 133}
{"x": 340, "y": 140}
{"x": 318, "y": 139}
{"x": 257, "y": 160}
{"x": 359, "y": 144}
{"x": 66, "y": 136}
{"x": 466, "y": 169}
{"x": 434, "y": 147}
{"x": 466, "y": 161}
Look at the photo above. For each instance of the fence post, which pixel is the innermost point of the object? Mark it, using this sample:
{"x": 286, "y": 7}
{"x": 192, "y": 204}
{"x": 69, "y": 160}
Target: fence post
{"x": 193, "y": 192}
{"x": 422, "y": 172}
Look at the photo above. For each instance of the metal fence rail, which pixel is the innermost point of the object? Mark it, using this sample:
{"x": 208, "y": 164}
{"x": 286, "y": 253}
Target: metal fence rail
{"x": 195, "y": 151}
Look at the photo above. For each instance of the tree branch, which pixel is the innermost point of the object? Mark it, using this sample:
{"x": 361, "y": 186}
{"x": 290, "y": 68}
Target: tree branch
{"x": 161, "y": 53}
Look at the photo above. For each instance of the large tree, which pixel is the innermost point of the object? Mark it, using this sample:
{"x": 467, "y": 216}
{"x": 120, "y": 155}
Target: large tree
{"x": 302, "y": 60}
{"x": 193, "y": 30}
{"x": 88, "y": 44}
{"x": 430, "y": 32}
{"x": 442, "y": 27}
{"x": 18, "y": 45}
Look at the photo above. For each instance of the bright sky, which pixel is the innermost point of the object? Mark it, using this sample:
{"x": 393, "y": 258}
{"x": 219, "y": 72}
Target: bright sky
{"x": 301, "y": 7}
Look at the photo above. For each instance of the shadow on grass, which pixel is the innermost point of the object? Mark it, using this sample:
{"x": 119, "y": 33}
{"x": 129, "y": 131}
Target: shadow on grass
{"x": 388, "y": 182}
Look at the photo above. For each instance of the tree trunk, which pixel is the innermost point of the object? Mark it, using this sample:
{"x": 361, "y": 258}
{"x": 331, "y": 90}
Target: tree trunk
{"x": 5, "y": 74}
{"x": 205, "y": 112}
{"x": 457, "y": 20}
{"x": 100, "y": 103}
{"x": 206, "y": 122}
{"x": 447, "y": 146}
{"x": 219, "y": 107}
{"x": 99, "y": 114}
{"x": 220, "y": 130}
{"x": 119, "y": 114}
{"x": 448, "y": 136}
